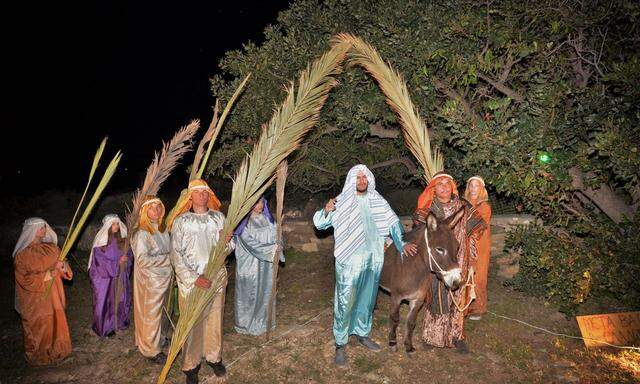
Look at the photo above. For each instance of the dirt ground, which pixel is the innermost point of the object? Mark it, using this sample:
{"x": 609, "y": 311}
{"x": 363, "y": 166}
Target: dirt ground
{"x": 301, "y": 349}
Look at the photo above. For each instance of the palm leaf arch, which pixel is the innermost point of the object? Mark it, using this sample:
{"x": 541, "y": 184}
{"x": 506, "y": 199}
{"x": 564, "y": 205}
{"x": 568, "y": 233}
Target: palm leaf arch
{"x": 282, "y": 135}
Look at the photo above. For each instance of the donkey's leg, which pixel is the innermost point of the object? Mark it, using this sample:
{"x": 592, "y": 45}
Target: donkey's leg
{"x": 394, "y": 316}
{"x": 414, "y": 308}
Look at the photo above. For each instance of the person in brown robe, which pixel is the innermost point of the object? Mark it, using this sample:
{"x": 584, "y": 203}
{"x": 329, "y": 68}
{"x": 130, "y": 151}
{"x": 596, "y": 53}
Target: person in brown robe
{"x": 36, "y": 264}
{"x": 443, "y": 321}
{"x": 480, "y": 242}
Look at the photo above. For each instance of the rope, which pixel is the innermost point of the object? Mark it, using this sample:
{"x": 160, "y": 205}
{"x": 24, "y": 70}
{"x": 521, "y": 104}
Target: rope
{"x": 563, "y": 334}
{"x": 470, "y": 276}
{"x": 472, "y": 296}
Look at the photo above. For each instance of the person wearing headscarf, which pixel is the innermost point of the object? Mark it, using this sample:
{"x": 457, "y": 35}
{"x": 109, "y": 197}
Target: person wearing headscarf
{"x": 109, "y": 266}
{"x": 195, "y": 231}
{"x": 443, "y": 322}
{"x": 152, "y": 275}
{"x": 362, "y": 221}
{"x": 40, "y": 294}
{"x": 256, "y": 245}
{"x": 480, "y": 242}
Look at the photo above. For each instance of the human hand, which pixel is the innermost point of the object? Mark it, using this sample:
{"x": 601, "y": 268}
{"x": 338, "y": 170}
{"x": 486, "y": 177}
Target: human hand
{"x": 227, "y": 238}
{"x": 410, "y": 249}
{"x": 202, "y": 282}
{"x": 331, "y": 206}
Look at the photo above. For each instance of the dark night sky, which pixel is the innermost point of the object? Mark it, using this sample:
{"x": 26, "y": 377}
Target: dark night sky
{"x": 135, "y": 71}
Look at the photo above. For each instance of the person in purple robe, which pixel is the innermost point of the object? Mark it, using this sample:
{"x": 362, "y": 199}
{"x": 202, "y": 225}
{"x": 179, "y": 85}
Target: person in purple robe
{"x": 108, "y": 268}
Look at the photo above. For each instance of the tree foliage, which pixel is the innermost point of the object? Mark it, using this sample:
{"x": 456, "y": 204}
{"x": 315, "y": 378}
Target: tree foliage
{"x": 538, "y": 97}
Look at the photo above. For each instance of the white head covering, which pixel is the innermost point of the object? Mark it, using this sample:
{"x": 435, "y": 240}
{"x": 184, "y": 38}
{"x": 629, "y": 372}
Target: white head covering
{"x": 102, "y": 237}
{"x": 347, "y": 223}
{"x": 29, "y": 229}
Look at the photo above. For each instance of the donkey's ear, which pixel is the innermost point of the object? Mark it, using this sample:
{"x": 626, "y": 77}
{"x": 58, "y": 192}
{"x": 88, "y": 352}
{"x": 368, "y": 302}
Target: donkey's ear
{"x": 432, "y": 222}
{"x": 453, "y": 220}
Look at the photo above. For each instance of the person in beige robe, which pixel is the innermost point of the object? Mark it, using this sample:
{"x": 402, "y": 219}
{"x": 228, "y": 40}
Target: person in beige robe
{"x": 40, "y": 294}
{"x": 152, "y": 275}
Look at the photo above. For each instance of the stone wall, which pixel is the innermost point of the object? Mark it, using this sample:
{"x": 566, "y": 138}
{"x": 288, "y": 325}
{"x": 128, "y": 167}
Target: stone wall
{"x": 299, "y": 232}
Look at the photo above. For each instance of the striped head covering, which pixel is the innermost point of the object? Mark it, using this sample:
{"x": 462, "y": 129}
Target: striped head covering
{"x": 347, "y": 223}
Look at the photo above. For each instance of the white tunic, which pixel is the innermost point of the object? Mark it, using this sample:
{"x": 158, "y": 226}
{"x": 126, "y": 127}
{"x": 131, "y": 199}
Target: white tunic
{"x": 193, "y": 236}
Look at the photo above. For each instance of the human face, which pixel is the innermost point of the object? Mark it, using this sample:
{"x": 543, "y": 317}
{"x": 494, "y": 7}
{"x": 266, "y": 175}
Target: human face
{"x": 41, "y": 233}
{"x": 362, "y": 183}
{"x": 154, "y": 211}
{"x": 443, "y": 190}
{"x": 115, "y": 227}
{"x": 474, "y": 189}
{"x": 259, "y": 207}
{"x": 200, "y": 198}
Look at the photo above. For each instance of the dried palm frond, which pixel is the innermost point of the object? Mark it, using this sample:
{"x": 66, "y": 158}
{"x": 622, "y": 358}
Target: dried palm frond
{"x": 162, "y": 165}
{"x": 393, "y": 86}
{"x": 295, "y": 117}
{"x": 212, "y": 133}
{"x": 281, "y": 180}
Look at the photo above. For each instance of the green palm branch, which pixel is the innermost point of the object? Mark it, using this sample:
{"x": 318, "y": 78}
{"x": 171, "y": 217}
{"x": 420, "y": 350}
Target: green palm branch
{"x": 279, "y": 138}
{"x": 394, "y": 87}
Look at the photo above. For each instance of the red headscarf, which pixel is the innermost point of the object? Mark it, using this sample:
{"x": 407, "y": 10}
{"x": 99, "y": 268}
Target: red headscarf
{"x": 426, "y": 198}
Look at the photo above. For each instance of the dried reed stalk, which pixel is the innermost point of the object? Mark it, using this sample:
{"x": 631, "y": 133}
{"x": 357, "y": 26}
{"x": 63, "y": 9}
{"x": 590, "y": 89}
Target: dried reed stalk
{"x": 281, "y": 180}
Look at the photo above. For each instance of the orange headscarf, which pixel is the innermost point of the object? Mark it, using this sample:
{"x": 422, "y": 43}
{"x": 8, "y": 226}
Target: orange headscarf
{"x": 144, "y": 222}
{"x": 185, "y": 203}
{"x": 426, "y": 198}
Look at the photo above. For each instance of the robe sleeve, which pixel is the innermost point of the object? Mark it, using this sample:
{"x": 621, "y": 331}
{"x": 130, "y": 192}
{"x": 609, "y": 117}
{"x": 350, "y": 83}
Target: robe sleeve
{"x": 30, "y": 278}
{"x": 104, "y": 264}
{"x": 184, "y": 273}
{"x": 397, "y": 233}
{"x": 261, "y": 250}
{"x": 483, "y": 213}
{"x": 323, "y": 221}
{"x": 141, "y": 251}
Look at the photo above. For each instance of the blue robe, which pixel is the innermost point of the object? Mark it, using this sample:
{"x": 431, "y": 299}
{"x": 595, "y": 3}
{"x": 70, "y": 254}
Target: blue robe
{"x": 358, "y": 276}
{"x": 255, "y": 247}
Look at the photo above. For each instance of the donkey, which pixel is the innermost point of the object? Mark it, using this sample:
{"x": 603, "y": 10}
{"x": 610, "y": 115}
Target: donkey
{"x": 409, "y": 278}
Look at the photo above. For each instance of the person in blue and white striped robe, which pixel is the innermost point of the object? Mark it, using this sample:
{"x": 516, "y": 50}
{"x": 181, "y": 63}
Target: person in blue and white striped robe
{"x": 362, "y": 221}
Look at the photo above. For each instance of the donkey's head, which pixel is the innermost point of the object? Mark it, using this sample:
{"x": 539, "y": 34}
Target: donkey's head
{"x": 442, "y": 249}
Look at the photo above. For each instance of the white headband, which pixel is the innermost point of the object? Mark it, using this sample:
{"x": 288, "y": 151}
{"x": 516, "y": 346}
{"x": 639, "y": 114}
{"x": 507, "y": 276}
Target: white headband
{"x": 198, "y": 187}
{"x": 443, "y": 175}
{"x": 151, "y": 201}
{"x": 476, "y": 178}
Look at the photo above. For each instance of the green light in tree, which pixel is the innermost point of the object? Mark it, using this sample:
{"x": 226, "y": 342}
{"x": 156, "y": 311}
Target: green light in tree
{"x": 544, "y": 157}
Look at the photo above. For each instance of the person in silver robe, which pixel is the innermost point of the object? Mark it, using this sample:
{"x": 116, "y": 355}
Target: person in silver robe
{"x": 255, "y": 248}
{"x": 195, "y": 231}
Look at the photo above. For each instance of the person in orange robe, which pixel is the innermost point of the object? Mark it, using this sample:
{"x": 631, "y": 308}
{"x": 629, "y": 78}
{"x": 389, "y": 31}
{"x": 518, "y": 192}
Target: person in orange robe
{"x": 36, "y": 264}
{"x": 480, "y": 240}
